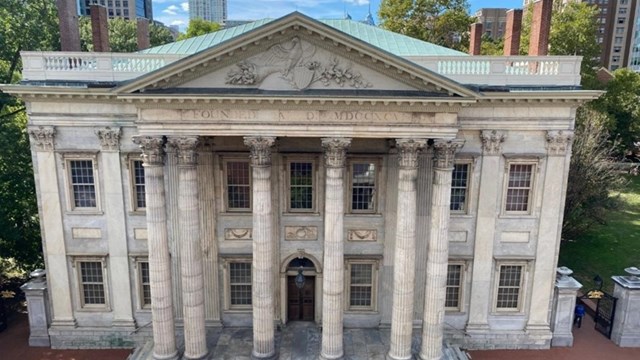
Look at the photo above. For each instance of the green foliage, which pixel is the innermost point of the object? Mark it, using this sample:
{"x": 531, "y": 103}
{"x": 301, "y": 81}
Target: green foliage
{"x": 123, "y": 35}
{"x": 488, "y": 46}
{"x": 622, "y": 102}
{"x": 573, "y": 32}
{"x": 592, "y": 174}
{"x": 199, "y": 27}
{"x": 442, "y": 22}
{"x": 525, "y": 30}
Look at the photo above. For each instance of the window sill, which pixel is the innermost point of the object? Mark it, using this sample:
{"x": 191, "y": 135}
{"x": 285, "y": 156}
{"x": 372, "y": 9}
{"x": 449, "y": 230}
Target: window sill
{"x": 84, "y": 212}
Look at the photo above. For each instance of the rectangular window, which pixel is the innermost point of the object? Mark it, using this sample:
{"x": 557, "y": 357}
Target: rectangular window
{"x": 92, "y": 291}
{"x": 137, "y": 182}
{"x": 361, "y": 284}
{"x": 240, "y": 284}
{"x": 363, "y": 187}
{"x": 459, "y": 188}
{"x": 509, "y": 293}
{"x": 145, "y": 284}
{"x": 82, "y": 184}
{"x": 238, "y": 179}
{"x": 301, "y": 183}
{"x": 519, "y": 188}
{"x": 454, "y": 287}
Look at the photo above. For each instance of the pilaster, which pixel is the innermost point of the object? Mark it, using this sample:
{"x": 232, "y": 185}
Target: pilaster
{"x": 195, "y": 340}
{"x": 262, "y": 267}
{"x": 438, "y": 249}
{"x": 164, "y": 340}
{"x": 404, "y": 257}
{"x": 333, "y": 287}
{"x": 43, "y": 143}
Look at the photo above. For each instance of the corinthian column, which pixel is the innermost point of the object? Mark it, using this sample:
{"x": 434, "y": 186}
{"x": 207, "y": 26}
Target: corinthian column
{"x": 404, "y": 257}
{"x": 164, "y": 338}
{"x": 195, "y": 340}
{"x": 333, "y": 287}
{"x": 262, "y": 267}
{"x": 438, "y": 250}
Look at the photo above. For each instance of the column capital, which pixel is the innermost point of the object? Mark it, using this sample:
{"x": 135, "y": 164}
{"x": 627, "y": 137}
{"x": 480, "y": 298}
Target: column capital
{"x": 186, "y": 147}
{"x": 152, "y": 149}
{"x": 109, "y": 138}
{"x": 408, "y": 150}
{"x": 43, "y": 138}
{"x": 260, "y": 147}
{"x": 335, "y": 151}
{"x": 558, "y": 142}
{"x": 492, "y": 141}
{"x": 445, "y": 152}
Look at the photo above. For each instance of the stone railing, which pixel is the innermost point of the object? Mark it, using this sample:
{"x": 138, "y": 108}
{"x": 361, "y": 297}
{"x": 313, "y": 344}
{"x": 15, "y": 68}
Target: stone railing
{"x": 476, "y": 70}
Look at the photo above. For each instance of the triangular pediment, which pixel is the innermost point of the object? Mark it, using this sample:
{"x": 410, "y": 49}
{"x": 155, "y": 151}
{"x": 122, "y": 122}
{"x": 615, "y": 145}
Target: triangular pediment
{"x": 296, "y": 55}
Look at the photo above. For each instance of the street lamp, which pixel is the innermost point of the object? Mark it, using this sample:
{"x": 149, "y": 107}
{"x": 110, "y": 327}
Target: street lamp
{"x": 300, "y": 279}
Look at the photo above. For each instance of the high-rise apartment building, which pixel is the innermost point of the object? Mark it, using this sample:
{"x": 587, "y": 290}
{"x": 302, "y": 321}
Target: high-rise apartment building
{"x": 493, "y": 20}
{"x": 634, "y": 49}
{"x": 128, "y": 9}
{"x": 210, "y": 10}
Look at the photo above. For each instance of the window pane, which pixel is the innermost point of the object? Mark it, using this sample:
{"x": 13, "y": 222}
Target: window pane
{"x": 82, "y": 183}
{"x": 363, "y": 186}
{"x": 240, "y": 283}
{"x": 238, "y": 185}
{"x": 459, "y": 183}
{"x": 509, "y": 287}
{"x": 360, "y": 292}
{"x": 145, "y": 283}
{"x": 519, "y": 187}
{"x": 301, "y": 185}
{"x": 138, "y": 183}
{"x": 454, "y": 281}
{"x": 92, "y": 282}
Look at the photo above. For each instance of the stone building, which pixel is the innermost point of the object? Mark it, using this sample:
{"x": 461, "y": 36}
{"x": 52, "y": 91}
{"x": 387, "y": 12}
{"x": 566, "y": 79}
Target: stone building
{"x": 300, "y": 170}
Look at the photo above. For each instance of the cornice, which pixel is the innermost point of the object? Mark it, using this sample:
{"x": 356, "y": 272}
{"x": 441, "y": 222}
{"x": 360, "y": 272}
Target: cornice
{"x": 558, "y": 98}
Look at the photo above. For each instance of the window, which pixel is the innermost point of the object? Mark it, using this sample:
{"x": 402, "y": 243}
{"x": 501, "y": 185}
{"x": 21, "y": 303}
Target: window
{"x": 618, "y": 40}
{"x": 144, "y": 284}
{"x": 619, "y": 30}
{"x": 622, "y": 11}
{"x": 363, "y": 186}
{"x": 361, "y": 284}
{"x": 238, "y": 178}
{"x": 621, "y": 20}
{"x": 459, "y": 188}
{"x": 82, "y": 184}
{"x": 301, "y": 198}
{"x": 91, "y": 283}
{"x": 454, "y": 287}
{"x": 137, "y": 185}
{"x": 509, "y": 289}
{"x": 615, "y": 58}
{"x": 239, "y": 284}
{"x": 519, "y": 188}
{"x": 617, "y": 49}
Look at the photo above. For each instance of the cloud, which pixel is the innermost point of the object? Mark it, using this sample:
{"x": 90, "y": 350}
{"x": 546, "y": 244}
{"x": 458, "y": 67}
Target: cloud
{"x": 171, "y": 10}
{"x": 177, "y": 22}
{"x": 358, "y": 2}
{"x": 185, "y": 6}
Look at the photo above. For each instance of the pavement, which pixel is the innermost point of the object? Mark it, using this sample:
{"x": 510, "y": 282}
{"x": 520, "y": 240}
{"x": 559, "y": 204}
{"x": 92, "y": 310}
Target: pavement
{"x": 301, "y": 341}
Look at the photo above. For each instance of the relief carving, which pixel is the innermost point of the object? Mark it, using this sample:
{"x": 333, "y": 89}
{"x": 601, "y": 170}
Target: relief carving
{"x": 260, "y": 148}
{"x": 301, "y": 233}
{"x": 558, "y": 142}
{"x": 152, "y": 149}
{"x": 492, "y": 141}
{"x": 43, "y": 138}
{"x": 362, "y": 235}
{"x": 408, "y": 150}
{"x": 238, "y": 234}
{"x": 335, "y": 150}
{"x": 186, "y": 149}
{"x": 445, "y": 152}
{"x": 294, "y": 60}
{"x": 109, "y": 138}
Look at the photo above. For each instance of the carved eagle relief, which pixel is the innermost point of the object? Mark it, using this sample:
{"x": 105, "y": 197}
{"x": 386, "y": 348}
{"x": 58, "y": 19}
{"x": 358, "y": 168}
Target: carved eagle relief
{"x": 293, "y": 60}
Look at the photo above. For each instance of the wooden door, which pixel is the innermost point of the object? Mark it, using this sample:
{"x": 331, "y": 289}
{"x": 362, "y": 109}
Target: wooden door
{"x": 301, "y": 301}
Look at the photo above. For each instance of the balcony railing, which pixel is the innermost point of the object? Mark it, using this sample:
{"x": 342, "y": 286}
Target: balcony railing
{"x": 476, "y": 70}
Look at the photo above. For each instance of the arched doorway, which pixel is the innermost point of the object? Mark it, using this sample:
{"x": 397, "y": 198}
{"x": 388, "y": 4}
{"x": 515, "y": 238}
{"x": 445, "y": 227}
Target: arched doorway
{"x": 301, "y": 288}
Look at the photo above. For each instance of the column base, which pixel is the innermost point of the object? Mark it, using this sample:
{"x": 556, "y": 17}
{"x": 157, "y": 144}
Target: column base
{"x": 272, "y": 356}
{"x": 325, "y": 357}
{"x": 197, "y": 357}
{"x": 173, "y": 356}
{"x": 391, "y": 357}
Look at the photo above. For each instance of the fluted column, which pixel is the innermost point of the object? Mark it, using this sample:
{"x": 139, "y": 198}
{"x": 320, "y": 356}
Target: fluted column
{"x": 164, "y": 339}
{"x": 262, "y": 270}
{"x": 333, "y": 286}
{"x": 195, "y": 340}
{"x": 438, "y": 249}
{"x": 404, "y": 257}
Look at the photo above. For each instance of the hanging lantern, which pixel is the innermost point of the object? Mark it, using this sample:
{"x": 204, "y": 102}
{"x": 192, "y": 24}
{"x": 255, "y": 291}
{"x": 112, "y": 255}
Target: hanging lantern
{"x": 300, "y": 279}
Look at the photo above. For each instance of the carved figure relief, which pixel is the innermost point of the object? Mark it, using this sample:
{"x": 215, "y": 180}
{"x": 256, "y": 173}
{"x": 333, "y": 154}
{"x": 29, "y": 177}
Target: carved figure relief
{"x": 301, "y": 233}
{"x": 362, "y": 235}
{"x": 238, "y": 234}
{"x": 295, "y": 61}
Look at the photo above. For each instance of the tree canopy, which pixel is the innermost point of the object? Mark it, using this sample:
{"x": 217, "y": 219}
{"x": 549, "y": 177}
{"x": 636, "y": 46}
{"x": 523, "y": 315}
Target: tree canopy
{"x": 199, "y": 27}
{"x": 442, "y": 22}
{"x": 123, "y": 35}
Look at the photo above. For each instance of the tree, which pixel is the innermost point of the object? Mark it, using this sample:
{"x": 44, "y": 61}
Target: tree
{"x": 489, "y": 46}
{"x": 573, "y": 32}
{"x": 199, "y": 27}
{"x": 593, "y": 175}
{"x": 123, "y": 35}
{"x": 442, "y": 22}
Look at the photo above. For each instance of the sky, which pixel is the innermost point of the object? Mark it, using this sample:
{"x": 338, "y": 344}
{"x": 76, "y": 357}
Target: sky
{"x": 176, "y": 12}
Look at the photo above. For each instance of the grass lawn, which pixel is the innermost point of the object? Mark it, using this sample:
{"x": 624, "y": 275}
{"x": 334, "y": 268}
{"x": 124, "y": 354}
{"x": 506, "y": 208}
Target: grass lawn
{"x": 608, "y": 249}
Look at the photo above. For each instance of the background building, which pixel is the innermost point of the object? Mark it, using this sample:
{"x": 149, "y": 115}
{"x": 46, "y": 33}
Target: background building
{"x": 210, "y": 10}
{"x": 634, "y": 52}
{"x": 128, "y": 9}
{"x": 493, "y": 21}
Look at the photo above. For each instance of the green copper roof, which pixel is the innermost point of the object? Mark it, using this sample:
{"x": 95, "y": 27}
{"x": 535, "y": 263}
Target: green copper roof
{"x": 396, "y": 44}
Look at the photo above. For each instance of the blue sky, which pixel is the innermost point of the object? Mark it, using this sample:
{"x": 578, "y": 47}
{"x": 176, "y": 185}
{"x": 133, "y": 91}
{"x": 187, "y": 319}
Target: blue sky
{"x": 176, "y": 12}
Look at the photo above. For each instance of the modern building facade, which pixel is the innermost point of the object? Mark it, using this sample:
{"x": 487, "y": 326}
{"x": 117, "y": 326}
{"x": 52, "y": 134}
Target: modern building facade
{"x": 300, "y": 170}
{"x": 127, "y": 9}
{"x": 634, "y": 52}
{"x": 210, "y": 10}
{"x": 493, "y": 21}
